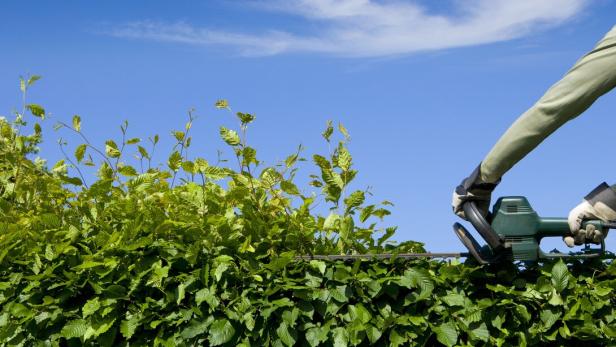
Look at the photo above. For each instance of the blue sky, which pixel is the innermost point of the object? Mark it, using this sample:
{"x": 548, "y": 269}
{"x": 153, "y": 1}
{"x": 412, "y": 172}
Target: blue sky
{"x": 424, "y": 90}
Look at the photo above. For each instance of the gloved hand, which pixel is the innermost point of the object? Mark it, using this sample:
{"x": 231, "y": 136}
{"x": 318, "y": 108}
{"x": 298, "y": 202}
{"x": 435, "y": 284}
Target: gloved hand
{"x": 598, "y": 204}
{"x": 473, "y": 188}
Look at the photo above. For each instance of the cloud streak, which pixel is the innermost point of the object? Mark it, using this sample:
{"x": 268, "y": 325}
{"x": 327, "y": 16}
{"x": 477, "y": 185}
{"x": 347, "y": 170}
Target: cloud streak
{"x": 369, "y": 28}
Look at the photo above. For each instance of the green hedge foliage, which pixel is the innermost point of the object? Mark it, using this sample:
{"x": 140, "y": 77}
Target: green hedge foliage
{"x": 193, "y": 254}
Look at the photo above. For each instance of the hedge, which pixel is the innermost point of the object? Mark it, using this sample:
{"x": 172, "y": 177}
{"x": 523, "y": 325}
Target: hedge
{"x": 194, "y": 254}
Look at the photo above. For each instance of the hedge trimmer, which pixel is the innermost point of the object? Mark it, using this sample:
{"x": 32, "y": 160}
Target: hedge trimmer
{"x": 513, "y": 232}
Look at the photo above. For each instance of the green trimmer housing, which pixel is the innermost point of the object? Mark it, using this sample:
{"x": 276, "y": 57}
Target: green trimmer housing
{"x": 515, "y": 232}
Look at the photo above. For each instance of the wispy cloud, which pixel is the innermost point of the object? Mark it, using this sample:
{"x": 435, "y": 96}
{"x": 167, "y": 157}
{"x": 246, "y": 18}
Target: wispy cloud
{"x": 370, "y": 28}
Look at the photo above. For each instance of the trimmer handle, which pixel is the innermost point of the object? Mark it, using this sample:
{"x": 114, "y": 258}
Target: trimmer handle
{"x": 482, "y": 226}
{"x": 610, "y": 224}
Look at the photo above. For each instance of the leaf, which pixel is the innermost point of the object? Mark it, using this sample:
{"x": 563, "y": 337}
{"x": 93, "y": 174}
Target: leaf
{"x": 354, "y": 200}
{"x": 453, "y": 299}
{"x": 196, "y": 328}
{"x": 128, "y": 171}
{"x": 341, "y": 337}
{"x": 319, "y": 265}
{"x": 36, "y": 110}
{"x": 189, "y": 167}
{"x": 358, "y": 312}
{"x": 373, "y": 334}
{"x": 179, "y": 135}
{"x": 90, "y": 307}
{"x": 289, "y": 187}
{"x": 560, "y": 276}
{"x": 344, "y": 131}
{"x": 133, "y": 141}
{"x": 287, "y": 335}
{"x": 344, "y": 159}
{"x": 144, "y": 153}
{"x": 111, "y": 149}
{"x": 555, "y": 298}
{"x": 549, "y": 317}
{"x": 80, "y": 151}
{"x": 340, "y": 293}
{"x": 221, "y": 332}
{"x": 128, "y": 326}
{"x": 74, "y": 328}
{"x": 245, "y": 118}
{"x": 77, "y": 123}
{"x": 181, "y": 293}
{"x": 447, "y": 334}
{"x": 207, "y": 296}
{"x": 420, "y": 279}
{"x": 481, "y": 332}
{"x": 229, "y": 136}
{"x": 174, "y": 161}
{"x": 220, "y": 270}
{"x": 329, "y": 130}
{"x": 32, "y": 79}
{"x": 222, "y": 103}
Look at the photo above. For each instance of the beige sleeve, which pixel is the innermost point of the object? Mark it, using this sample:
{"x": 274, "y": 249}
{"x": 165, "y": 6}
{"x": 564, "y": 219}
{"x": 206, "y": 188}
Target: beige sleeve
{"x": 592, "y": 76}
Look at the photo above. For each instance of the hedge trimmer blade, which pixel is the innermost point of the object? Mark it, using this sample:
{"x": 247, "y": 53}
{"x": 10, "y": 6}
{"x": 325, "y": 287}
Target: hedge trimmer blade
{"x": 384, "y": 256}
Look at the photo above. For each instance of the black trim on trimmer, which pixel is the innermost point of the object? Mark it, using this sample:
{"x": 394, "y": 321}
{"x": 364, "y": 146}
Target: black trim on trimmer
{"x": 483, "y": 227}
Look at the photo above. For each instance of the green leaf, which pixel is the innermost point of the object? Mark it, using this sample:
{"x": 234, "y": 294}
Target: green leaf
{"x": 181, "y": 293}
{"x": 447, "y": 334}
{"x": 354, "y": 200}
{"x": 481, "y": 332}
{"x": 80, "y": 151}
{"x": 359, "y": 313}
{"x": 36, "y": 110}
{"x": 344, "y": 131}
{"x": 329, "y": 130}
{"x": 560, "y": 276}
{"x": 206, "y": 295}
{"x": 128, "y": 326}
{"x": 74, "y": 328}
{"x": 128, "y": 171}
{"x": 344, "y": 159}
{"x": 289, "y": 188}
{"x": 196, "y": 328}
{"x": 453, "y": 299}
{"x": 179, "y": 135}
{"x": 33, "y": 79}
{"x": 549, "y": 317}
{"x": 341, "y": 337}
{"x": 319, "y": 265}
{"x": 316, "y": 335}
{"x": 133, "y": 141}
{"x": 287, "y": 335}
{"x": 331, "y": 222}
{"x": 144, "y": 153}
{"x": 77, "y": 123}
{"x": 555, "y": 298}
{"x": 221, "y": 332}
{"x": 222, "y": 103}
{"x": 111, "y": 148}
{"x": 174, "y": 161}
{"x": 245, "y": 118}
{"x": 419, "y": 278}
{"x": 373, "y": 333}
{"x": 229, "y": 136}
{"x": 90, "y": 307}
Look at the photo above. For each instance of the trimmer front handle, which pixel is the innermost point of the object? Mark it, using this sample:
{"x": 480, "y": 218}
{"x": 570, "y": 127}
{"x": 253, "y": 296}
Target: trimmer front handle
{"x": 515, "y": 231}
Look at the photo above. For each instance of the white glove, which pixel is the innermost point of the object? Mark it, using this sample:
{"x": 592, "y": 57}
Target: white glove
{"x": 599, "y": 204}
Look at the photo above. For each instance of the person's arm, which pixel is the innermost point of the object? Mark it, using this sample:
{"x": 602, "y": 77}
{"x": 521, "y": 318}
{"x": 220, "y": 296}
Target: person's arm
{"x": 592, "y": 76}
